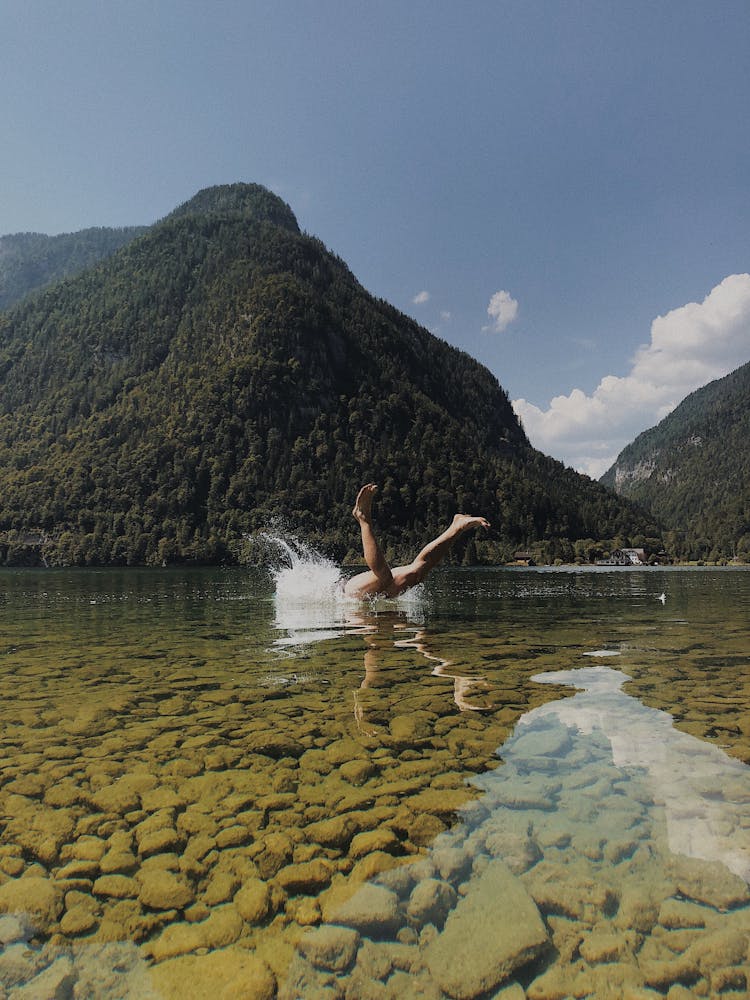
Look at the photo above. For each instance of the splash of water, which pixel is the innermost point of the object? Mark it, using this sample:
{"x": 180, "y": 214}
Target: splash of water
{"x": 309, "y": 597}
{"x": 301, "y": 574}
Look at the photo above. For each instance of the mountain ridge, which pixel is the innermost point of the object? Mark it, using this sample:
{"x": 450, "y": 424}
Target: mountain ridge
{"x": 32, "y": 261}
{"x": 691, "y": 470}
{"x": 225, "y": 368}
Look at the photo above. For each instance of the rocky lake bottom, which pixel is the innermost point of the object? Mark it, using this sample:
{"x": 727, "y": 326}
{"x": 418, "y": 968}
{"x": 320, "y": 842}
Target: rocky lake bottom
{"x": 513, "y": 784}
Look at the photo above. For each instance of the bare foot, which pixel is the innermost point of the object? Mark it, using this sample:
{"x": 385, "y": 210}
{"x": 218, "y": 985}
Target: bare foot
{"x": 363, "y": 504}
{"x": 462, "y": 522}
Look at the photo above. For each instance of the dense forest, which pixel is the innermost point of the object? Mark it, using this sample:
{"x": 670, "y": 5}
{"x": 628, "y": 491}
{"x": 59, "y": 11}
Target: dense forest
{"x": 693, "y": 471}
{"x": 224, "y": 371}
{"x": 30, "y": 261}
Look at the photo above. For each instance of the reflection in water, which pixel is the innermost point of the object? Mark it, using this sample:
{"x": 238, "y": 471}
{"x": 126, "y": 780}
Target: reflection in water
{"x": 703, "y": 791}
{"x": 573, "y": 872}
{"x": 154, "y": 743}
{"x": 310, "y": 607}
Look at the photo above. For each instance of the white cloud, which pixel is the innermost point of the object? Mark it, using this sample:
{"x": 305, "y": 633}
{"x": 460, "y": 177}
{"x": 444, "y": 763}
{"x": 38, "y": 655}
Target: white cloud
{"x": 502, "y": 310}
{"x": 445, "y": 316}
{"x": 420, "y": 298}
{"x": 689, "y": 346}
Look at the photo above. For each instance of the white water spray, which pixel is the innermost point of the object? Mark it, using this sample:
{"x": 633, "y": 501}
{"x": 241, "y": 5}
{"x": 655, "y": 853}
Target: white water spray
{"x": 309, "y": 592}
{"x": 309, "y": 589}
{"x": 301, "y": 574}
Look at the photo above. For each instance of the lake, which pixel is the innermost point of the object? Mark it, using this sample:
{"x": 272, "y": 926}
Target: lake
{"x": 509, "y": 783}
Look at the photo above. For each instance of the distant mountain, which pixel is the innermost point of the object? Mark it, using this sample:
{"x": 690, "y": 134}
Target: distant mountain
{"x": 692, "y": 471}
{"x": 30, "y": 261}
{"x": 224, "y": 370}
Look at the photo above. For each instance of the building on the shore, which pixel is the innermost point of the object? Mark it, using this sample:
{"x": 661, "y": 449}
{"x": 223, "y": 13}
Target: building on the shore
{"x": 637, "y": 557}
{"x": 624, "y": 557}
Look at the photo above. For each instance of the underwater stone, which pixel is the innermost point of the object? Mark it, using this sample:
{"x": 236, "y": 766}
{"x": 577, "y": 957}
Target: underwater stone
{"x": 373, "y": 910}
{"x": 78, "y": 920}
{"x": 413, "y": 728}
{"x": 330, "y": 947}
{"x": 273, "y": 744}
{"x": 430, "y": 902}
{"x": 56, "y": 982}
{"x": 116, "y": 886}
{"x": 675, "y": 914}
{"x": 605, "y": 947}
{"x": 553, "y": 742}
{"x": 160, "y": 842}
{"x": 253, "y": 901}
{"x": 710, "y": 882}
{"x": 272, "y": 853}
{"x": 220, "y": 888}
{"x": 373, "y": 840}
{"x": 118, "y": 862}
{"x": 357, "y": 772}
{"x": 163, "y": 890}
{"x": 305, "y": 911}
{"x": 39, "y": 899}
{"x": 222, "y": 928}
{"x": 453, "y": 863}
{"x": 307, "y": 877}
{"x": 494, "y": 929}
{"x": 230, "y": 974}
{"x": 335, "y": 832}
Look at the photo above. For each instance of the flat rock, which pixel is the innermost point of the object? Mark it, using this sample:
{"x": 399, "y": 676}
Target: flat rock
{"x": 676, "y": 914}
{"x": 78, "y": 920}
{"x": 710, "y": 882}
{"x": 439, "y": 801}
{"x": 412, "y": 728}
{"x": 357, "y": 772}
{"x": 160, "y": 842}
{"x": 37, "y": 898}
{"x": 116, "y": 886}
{"x": 340, "y": 751}
{"x": 253, "y": 901}
{"x": 330, "y": 947}
{"x": 372, "y": 910}
{"x": 308, "y": 877}
{"x": 494, "y": 929}
{"x": 163, "y": 890}
{"x": 233, "y": 973}
{"x": 274, "y": 744}
{"x": 11, "y": 930}
{"x": 220, "y": 929}
{"x": 431, "y": 901}
{"x": 382, "y": 839}
{"x": 553, "y": 742}
{"x": 335, "y": 832}
{"x": 56, "y": 982}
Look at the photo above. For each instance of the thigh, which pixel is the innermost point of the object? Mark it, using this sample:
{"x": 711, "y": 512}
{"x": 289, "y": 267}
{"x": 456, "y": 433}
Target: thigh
{"x": 362, "y": 584}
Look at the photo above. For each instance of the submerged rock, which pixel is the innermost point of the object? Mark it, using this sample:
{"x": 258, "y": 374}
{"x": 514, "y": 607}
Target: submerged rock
{"x": 430, "y": 902}
{"x": 229, "y": 974}
{"x": 710, "y": 882}
{"x": 37, "y": 898}
{"x": 494, "y": 929}
{"x": 373, "y": 910}
{"x": 330, "y": 947}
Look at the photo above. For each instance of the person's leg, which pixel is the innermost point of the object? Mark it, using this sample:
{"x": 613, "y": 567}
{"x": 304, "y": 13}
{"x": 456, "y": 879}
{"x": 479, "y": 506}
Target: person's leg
{"x": 378, "y": 579}
{"x": 435, "y": 551}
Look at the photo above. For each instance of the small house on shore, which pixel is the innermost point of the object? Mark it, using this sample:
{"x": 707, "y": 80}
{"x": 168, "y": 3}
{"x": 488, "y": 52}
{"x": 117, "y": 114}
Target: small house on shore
{"x": 624, "y": 557}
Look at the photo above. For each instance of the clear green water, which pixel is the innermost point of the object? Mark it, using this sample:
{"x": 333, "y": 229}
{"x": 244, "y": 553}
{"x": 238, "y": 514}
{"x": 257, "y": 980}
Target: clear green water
{"x": 204, "y": 783}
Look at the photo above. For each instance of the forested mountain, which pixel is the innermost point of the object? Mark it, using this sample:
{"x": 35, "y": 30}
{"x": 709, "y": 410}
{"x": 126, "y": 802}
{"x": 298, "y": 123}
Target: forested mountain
{"x": 225, "y": 369}
{"x": 693, "y": 471}
{"x": 29, "y": 261}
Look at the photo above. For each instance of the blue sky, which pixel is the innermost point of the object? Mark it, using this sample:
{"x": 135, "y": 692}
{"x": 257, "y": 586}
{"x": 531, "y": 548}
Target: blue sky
{"x": 581, "y": 169}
